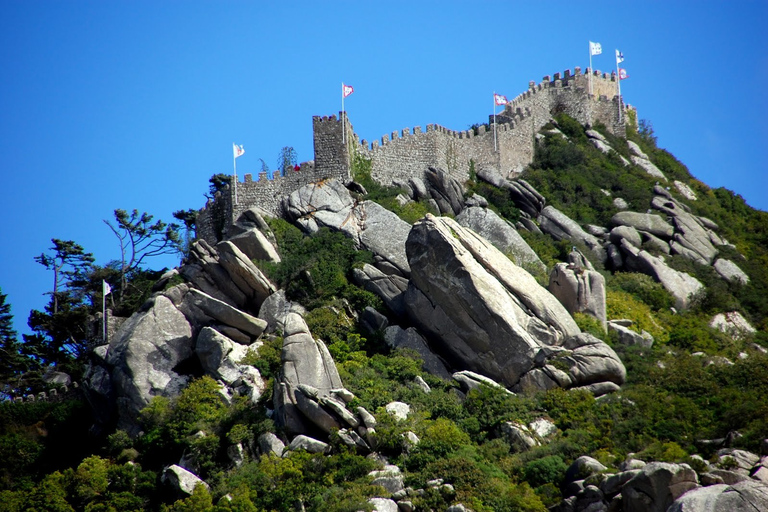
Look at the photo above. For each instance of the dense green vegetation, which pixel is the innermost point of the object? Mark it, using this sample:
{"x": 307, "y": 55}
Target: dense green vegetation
{"x": 672, "y": 399}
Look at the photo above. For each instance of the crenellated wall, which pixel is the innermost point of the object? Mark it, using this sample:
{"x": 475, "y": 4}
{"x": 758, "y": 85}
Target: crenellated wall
{"x": 507, "y": 146}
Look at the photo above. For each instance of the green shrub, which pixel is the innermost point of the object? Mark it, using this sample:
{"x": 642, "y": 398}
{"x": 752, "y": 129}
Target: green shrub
{"x": 547, "y": 470}
{"x": 643, "y": 288}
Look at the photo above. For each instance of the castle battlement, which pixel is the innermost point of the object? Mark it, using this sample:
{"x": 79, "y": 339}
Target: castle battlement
{"x": 507, "y": 145}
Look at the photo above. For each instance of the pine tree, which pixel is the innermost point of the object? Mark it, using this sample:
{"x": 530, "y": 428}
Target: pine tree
{"x": 13, "y": 364}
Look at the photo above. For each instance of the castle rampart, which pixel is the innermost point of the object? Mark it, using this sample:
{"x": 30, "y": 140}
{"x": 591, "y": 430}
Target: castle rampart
{"x": 507, "y": 146}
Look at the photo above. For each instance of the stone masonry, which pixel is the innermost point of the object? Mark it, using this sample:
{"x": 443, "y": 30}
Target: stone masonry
{"x": 507, "y": 146}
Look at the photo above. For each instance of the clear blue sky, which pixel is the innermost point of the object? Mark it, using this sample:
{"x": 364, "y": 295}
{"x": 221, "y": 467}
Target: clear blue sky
{"x": 136, "y": 104}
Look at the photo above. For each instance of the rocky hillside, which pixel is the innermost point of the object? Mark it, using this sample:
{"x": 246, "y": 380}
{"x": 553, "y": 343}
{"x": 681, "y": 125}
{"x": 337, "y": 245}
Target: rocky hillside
{"x": 590, "y": 335}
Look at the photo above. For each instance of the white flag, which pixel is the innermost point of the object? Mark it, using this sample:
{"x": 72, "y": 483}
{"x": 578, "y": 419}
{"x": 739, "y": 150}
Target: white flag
{"x": 237, "y": 150}
{"x": 346, "y": 90}
{"x": 105, "y": 288}
{"x": 619, "y": 56}
{"x": 499, "y": 99}
{"x": 595, "y": 48}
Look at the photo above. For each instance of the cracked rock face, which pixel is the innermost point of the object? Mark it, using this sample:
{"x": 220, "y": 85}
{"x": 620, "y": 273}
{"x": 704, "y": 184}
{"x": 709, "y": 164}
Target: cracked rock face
{"x": 502, "y": 235}
{"x": 487, "y": 313}
{"x": 144, "y": 354}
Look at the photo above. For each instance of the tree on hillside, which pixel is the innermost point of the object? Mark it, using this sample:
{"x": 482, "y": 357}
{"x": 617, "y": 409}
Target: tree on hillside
{"x": 13, "y": 364}
{"x": 140, "y": 239}
{"x": 218, "y": 182}
{"x": 69, "y": 263}
{"x": 286, "y": 160}
{"x": 188, "y": 219}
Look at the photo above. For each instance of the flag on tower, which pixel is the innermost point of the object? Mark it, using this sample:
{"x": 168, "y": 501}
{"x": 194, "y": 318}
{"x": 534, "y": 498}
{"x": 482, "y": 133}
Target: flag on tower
{"x": 237, "y": 150}
{"x": 619, "y": 56}
{"x": 500, "y": 99}
{"x": 105, "y": 288}
{"x": 346, "y": 90}
{"x": 595, "y": 48}
{"x": 623, "y": 74}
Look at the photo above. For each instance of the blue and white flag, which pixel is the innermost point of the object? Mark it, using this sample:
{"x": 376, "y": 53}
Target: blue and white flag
{"x": 595, "y": 48}
{"x": 619, "y": 56}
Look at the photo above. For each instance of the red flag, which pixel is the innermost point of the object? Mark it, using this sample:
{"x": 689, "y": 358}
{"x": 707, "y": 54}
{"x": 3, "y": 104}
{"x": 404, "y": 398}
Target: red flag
{"x": 623, "y": 74}
{"x": 499, "y": 99}
{"x": 346, "y": 90}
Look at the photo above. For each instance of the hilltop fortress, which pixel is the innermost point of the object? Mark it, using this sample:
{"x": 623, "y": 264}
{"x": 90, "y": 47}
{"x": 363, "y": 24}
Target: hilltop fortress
{"x": 408, "y": 153}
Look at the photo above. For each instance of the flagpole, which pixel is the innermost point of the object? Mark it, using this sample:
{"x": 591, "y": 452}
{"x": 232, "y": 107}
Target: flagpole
{"x": 234, "y": 165}
{"x": 590, "y": 68}
{"x": 495, "y": 146}
{"x": 618, "y": 83}
{"x": 104, "y": 312}
{"x": 343, "y": 135}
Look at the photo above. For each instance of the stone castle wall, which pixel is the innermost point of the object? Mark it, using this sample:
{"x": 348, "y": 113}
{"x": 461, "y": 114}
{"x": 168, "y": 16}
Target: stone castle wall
{"x": 507, "y": 146}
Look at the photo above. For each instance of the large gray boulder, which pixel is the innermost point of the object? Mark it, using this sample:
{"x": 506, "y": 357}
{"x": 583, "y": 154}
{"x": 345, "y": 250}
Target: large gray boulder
{"x": 390, "y": 288}
{"x": 183, "y": 481}
{"x": 482, "y": 309}
{"x": 579, "y": 290}
{"x": 648, "y": 222}
{"x": 327, "y": 203}
{"x": 144, "y": 354}
{"x": 502, "y": 235}
{"x": 681, "y": 285}
{"x": 306, "y": 362}
{"x": 274, "y": 310}
{"x": 730, "y": 271}
{"x": 445, "y": 190}
{"x": 205, "y": 273}
{"x": 246, "y": 276}
{"x": 196, "y": 301}
{"x": 693, "y": 236}
{"x": 525, "y": 197}
{"x": 748, "y": 496}
{"x": 562, "y": 227}
{"x": 256, "y": 246}
{"x": 657, "y": 486}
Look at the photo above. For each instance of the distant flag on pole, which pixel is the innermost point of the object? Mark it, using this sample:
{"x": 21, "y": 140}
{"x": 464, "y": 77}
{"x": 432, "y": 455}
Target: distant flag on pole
{"x": 346, "y": 90}
{"x": 595, "y": 48}
{"x": 619, "y": 56}
{"x": 237, "y": 150}
{"x": 105, "y": 288}
{"x": 499, "y": 99}
{"x": 623, "y": 74}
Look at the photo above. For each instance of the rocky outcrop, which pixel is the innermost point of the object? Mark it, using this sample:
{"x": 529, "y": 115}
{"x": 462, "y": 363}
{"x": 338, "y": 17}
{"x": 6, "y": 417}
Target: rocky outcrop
{"x": 657, "y": 486}
{"x": 561, "y": 227}
{"x": 747, "y": 495}
{"x": 627, "y": 336}
{"x": 579, "y": 289}
{"x": 306, "y": 362}
{"x": 733, "y": 324}
{"x": 502, "y": 235}
{"x": 682, "y": 286}
{"x": 370, "y": 225}
{"x": 144, "y": 356}
{"x": 646, "y": 222}
{"x": 181, "y": 480}
{"x": 730, "y": 271}
{"x": 390, "y": 288}
{"x": 486, "y": 312}
{"x": 640, "y": 159}
{"x": 445, "y": 190}
{"x": 491, "y": 317}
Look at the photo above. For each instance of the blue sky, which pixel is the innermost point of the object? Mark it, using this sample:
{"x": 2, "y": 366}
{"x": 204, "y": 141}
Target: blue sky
{"x": 136, "y": 104}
